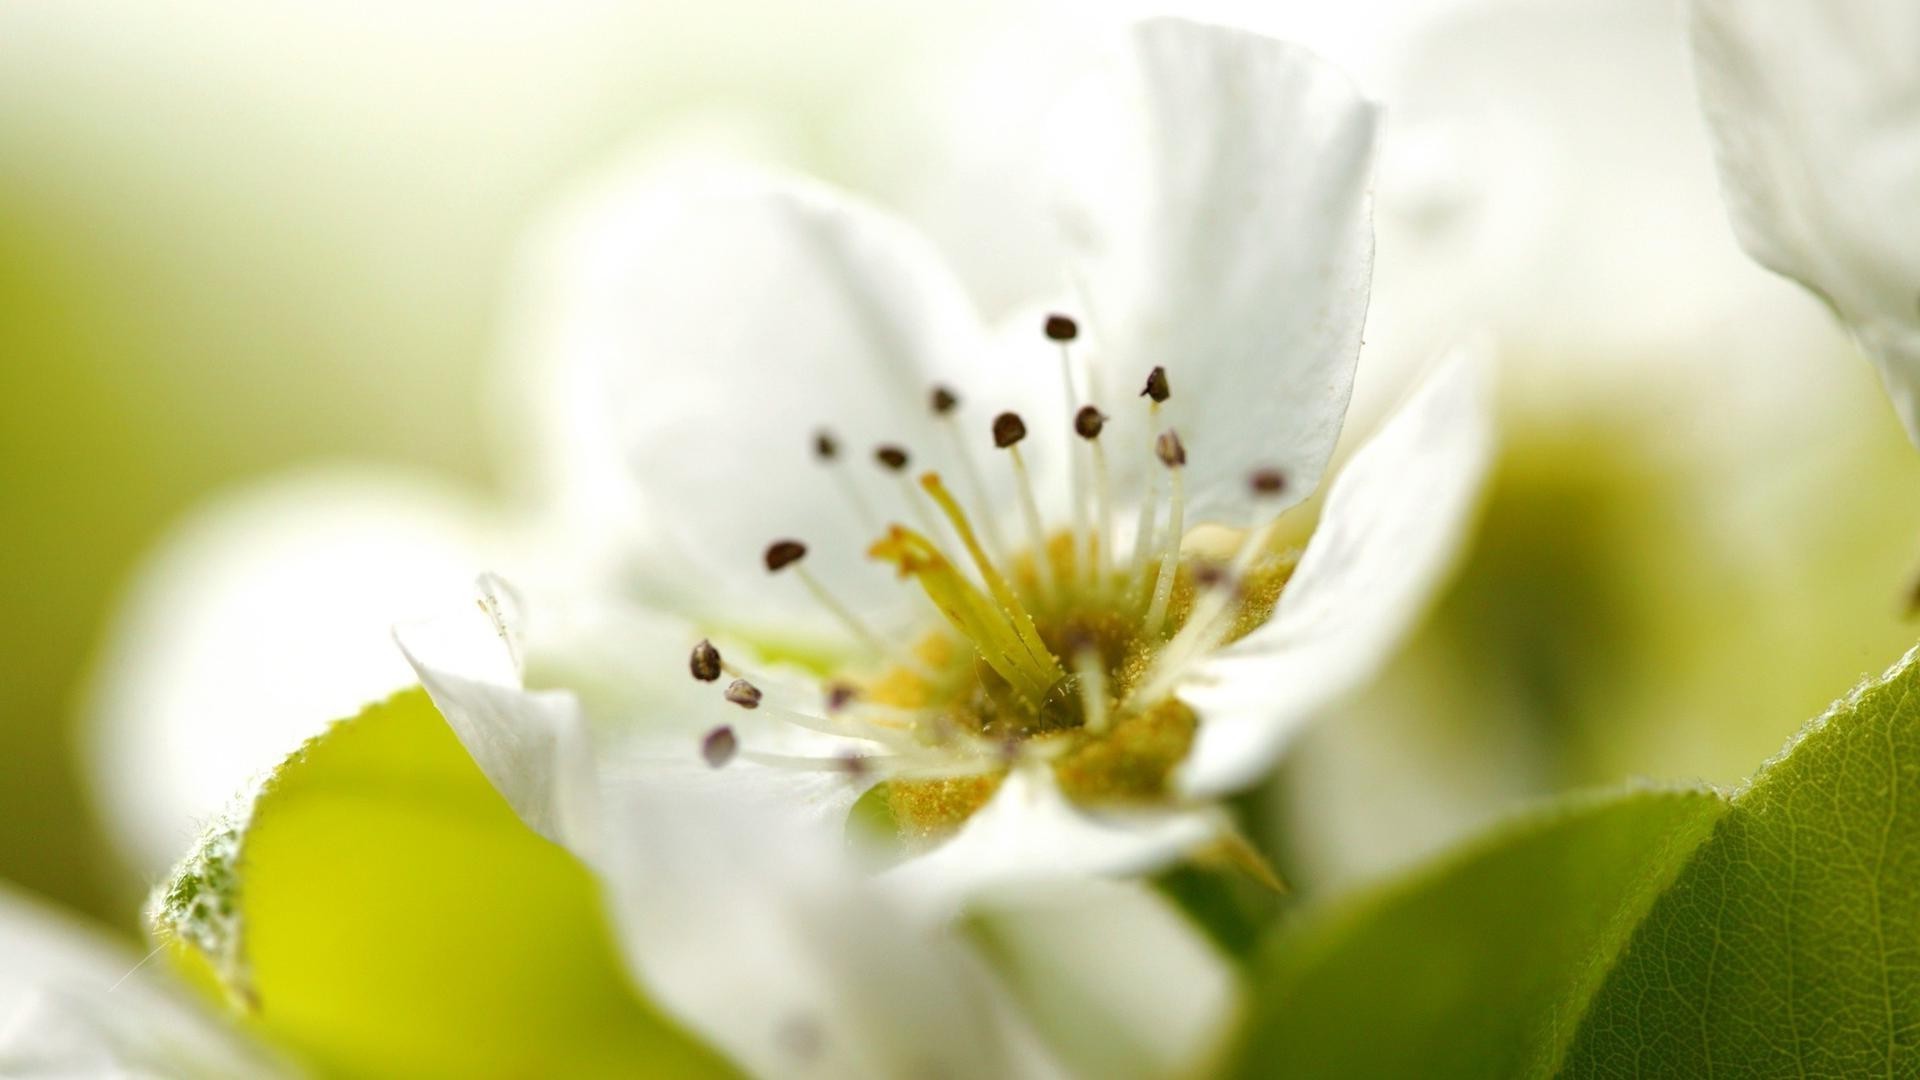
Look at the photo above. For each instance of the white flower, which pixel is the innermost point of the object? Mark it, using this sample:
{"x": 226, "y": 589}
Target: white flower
{"x": 1815, "y": 111}
{"x": 736, "y": 349}
{"x": 768, "y": 940}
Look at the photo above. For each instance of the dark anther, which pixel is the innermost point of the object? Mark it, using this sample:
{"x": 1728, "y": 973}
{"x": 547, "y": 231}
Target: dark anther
{"x": 1157, "y": 387}
{"x": 1008, "y": 429}
{"x": 825, "y": 446}
{"x": 891, "y": 456}
{"x": 1088, "y": 422}
{"x": 839, "y": 696}
{"x": 854, "y": 765}
{"x": 744, "y": 694}
{"x": 1062, "y": 329}
{"x": 1267, "y": 481}
{"x": 784, "y": 553}
{"x": 944, "y": 401}
{"x": 719, "y": 745}
{"x": 1209, "y": 574}
{"x": 1077, "y": 641}
{"x": 705, "y": 662}
{"x": 1170, "y": 450}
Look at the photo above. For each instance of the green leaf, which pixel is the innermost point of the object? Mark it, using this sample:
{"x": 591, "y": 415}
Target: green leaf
{"x": 1791, "y": 944}
{"x": 1478, "y": 964}
{"x": 378, "y": 908}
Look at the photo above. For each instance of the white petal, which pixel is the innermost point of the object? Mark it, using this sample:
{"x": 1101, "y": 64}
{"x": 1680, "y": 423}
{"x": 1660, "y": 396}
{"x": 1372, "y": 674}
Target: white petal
{"x": 706, "y": 329}
{"x": 259, "y": 620}
{"x": 735, "y": 912}
{"x": 774, "y": 946}
{"x": 1218, "y": 215}
{"x": 533, "y": 746}
{"x": 1029, "y": 833}
{"x": 1394, "y": 520}
{"x": 72, "y": 1005}
{"x": 1815, "y": 111}
{"x": 1120, "y": 983}
{"x": 625, "y": 672}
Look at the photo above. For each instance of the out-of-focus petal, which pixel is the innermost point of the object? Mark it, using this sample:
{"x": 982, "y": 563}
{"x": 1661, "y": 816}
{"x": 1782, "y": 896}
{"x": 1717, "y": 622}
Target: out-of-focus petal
{"x": 1217, "y": 212}
{"x": 767, "y": 938}
{"x": 706, "y": 326}
{"x": 1029, "y": 833}
{"x": 73, "y": 1005}
{"x": 1814, "y": 107}
{"x": 1394, "y": 520}
{"x": 1120, "y": 983}
{"x": 259, "y": 619}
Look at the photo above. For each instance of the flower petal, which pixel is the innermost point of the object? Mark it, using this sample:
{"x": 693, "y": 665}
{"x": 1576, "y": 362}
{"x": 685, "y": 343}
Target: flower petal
{"x": 767, "y": 938}
{"x": 1029, "y": 833}
{"x": 1394, "y": 520}
{"x": 73, "y": 1005}
{"x": 533, "y": 745}
{"x": 706, "y": 328}
{"x": 1814, "y": 107}
{"x": 736, "y": 914}
{"x": 1119, "y": 981}
{"x": 1217, "y": 213}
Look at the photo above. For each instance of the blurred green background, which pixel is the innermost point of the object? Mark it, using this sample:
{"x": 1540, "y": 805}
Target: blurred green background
{"x": 238, "y": 238}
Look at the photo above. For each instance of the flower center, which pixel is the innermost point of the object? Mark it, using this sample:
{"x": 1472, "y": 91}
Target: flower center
{"x": 1058, "y": 653}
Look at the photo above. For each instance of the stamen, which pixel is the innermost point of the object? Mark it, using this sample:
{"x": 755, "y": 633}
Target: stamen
{"x": 1157, "y": 387}
{"x": 1019, "y": 658}
{"x": 826, "y": 447}
{"x": 743, "y": 693}
{"x": 1157, "y": 391}
{"x": 944, "y": 402}
{"x": 1061, "y": 329}
{"x": 705, "y": 661}
{"x": 784, "y": 553}
{"x": 1088, "y": 423}
{"x": 997, "y": 583}
{"x": 846, "y": 728}
{"x": 1008, "y": 431}
{"x": 1091, "y": 672}
{"x": 1268, "y": 481}
{"x": 719, "y": 746}
{"x": 1212, "y": 616}
{"x": 839, "y": 696}
{"x": 1173, "y": 455}
{"x": 895, "y": 460}
{"x": 884, "y": 766}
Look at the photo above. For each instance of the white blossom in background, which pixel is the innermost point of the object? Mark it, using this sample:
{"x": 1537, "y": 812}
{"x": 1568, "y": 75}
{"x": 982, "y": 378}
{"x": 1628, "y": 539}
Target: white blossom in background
{"x": 74, "y": 1004}
{"x": 253, "y": 625}
{"x": 1814, "y": 107}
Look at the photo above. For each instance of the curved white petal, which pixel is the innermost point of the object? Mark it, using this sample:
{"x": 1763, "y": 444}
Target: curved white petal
{"x": 706, "y": 327}
{"x": 1120, "y": 982}
{"x": 533, "y": 746}
{"x": 1029, "y": 833}
{"x": 1814, "y": 107}
{"x": 73, "y": 1005}
{"x": 1394, "y": 520}
{"x": 1217, "y": 212}
{"x": 767, "y": 938}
